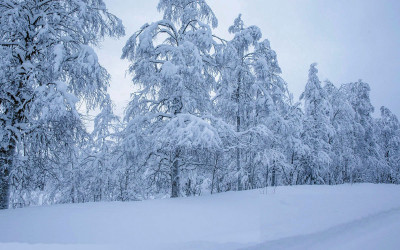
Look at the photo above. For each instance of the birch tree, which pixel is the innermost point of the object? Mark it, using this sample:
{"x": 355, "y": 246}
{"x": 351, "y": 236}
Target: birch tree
{"x": 50, "y": 67}
{"x": 172, "y": 66}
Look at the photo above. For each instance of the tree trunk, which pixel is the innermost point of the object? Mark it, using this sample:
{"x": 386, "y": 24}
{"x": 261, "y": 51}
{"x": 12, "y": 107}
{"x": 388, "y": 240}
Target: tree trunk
{"x": 175, "y": 176}
{"x": 238, "y": 167}
{"x": 239, "y": 179}
{"x": 273, "y": 183}
{"x": 4, "y": 189}
{"x": 6, "y": 157}
{"x": 214, "y": 177}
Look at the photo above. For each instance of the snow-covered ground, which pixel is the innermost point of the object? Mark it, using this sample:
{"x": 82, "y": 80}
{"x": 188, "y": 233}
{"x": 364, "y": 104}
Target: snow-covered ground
{"x": 363, "y": 216}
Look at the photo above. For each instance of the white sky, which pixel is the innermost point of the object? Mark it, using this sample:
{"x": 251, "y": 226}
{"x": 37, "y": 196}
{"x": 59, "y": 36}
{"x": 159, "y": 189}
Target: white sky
{"x": 349, "y": 39}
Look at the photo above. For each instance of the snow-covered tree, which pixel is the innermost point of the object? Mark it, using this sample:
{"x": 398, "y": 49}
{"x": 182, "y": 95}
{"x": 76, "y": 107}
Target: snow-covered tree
{"x": 295, "y": 148}
{"x": 209, "y": 115}
{"x": 233, "y": 99}
{"x": 252, "y": 98}
{"x": 342, "y": 139}
{"x": 317, "y": 129}
{"x": 273, "y": 111}
{"x": 389, "y": 141}
{"x": 98, "y": 160}
{"x": 239, "y": 80}
{"x": 172, "y": 66}
{"x": 50, "y": 67}
{"x": 365, "y": 145}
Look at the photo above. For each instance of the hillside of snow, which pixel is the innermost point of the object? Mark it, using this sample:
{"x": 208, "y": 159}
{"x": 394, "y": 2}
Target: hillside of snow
{"x": 362, "y": 216}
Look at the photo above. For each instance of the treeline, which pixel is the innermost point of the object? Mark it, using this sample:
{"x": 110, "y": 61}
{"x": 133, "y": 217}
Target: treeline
{"x": 210, "y": 115}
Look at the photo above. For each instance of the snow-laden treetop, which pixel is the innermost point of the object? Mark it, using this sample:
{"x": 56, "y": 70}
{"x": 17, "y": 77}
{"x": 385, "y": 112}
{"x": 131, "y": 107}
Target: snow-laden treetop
{"x": 187, "y": 11}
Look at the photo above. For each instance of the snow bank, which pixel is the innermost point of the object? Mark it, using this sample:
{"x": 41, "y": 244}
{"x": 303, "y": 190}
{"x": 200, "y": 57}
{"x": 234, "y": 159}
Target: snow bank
{"x": 303, "y": 217}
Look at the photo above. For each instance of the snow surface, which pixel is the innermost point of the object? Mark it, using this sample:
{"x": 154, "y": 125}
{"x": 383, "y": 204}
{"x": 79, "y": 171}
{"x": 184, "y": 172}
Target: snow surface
{"x": 362, "y": 216}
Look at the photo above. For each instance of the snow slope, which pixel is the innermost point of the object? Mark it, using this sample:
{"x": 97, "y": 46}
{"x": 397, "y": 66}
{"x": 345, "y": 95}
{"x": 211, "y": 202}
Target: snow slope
{"x": 363, "y": 216}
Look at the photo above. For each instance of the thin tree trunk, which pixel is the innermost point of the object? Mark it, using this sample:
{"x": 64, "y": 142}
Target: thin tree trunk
{"x": 273, "y": 181}
{"x": 175, "y": 187}
{"x": 214, "y": 174}
{"x": 239, "y": 180}
{"x": 238, "y": 167}
{"x": 6, "y": 158}
{"x": 4, "y": 189}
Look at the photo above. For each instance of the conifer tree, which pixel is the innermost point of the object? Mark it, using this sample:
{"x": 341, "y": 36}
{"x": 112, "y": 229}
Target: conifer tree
{"x": 317, "y": 129}
{"x": 365, "y": 144}
{"x": 389, "y": 141}
{"x": 341, "y": 140}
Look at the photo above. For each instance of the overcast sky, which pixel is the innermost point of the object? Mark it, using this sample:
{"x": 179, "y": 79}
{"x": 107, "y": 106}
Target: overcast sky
{"x": 349, "y": 39}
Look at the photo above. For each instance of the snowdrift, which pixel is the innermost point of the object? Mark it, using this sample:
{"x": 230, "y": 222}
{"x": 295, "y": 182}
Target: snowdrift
{"x": 362, "y": 216}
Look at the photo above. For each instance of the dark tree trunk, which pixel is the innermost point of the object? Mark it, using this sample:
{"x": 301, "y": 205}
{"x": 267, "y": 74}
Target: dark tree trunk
{"x": 214, "y": 175}
{"x": 175, "y": 189}
{"x": 175, "y": 181}
{"x": 4, "y": 189}
{"x": 239, "y": 179}
{"x": 238, "y": 167}
{"x": 273, "y": 183}
{"x": 6, "y": 157}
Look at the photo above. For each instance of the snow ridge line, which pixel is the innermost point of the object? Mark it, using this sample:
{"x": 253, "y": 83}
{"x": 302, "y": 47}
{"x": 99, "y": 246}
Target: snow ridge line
{"x": 307, "y": 241}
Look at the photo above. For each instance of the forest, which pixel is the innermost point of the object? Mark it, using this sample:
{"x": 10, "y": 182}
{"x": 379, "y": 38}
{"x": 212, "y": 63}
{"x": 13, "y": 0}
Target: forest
{"x": 208, "y": 115}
